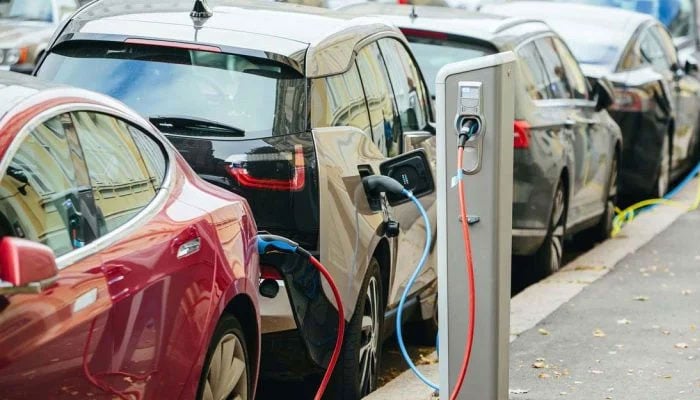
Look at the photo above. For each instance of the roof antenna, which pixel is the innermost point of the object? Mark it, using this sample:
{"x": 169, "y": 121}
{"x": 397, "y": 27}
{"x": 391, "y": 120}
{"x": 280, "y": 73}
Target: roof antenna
{"x": 199, "y": 14}
{"x": 413, "y": 14}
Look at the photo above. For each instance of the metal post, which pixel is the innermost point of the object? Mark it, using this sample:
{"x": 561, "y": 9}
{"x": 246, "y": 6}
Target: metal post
{"x": 483, "y": 88}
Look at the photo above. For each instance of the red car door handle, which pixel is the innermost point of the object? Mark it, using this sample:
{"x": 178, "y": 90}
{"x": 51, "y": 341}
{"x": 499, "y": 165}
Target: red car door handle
{"x": 187, "y": 243}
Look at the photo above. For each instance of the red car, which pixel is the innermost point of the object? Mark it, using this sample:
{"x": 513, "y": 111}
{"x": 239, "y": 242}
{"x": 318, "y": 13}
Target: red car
{"x": 122, "y": 274}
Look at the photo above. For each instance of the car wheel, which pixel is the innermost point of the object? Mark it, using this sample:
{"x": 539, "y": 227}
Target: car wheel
{"x": 663, "y": 177}
{"x": 226, "y": 374}
{"x": 356, "y": 373}
{"x": 547, "y": 260}
{"x": 604, "y": 228}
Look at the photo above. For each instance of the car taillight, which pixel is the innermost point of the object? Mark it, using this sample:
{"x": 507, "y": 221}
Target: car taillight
{"x": 631, "y": 100}
{"x": 269, "y": 272}
{"x": 240, "y": 167}
{"x": 521, "y": 134}
{"x": 423, "y": 34}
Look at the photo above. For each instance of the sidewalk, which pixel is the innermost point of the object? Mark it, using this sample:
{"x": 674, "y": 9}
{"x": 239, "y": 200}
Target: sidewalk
{"x": 618, "y": 322}
{"x": 632, "y": 335}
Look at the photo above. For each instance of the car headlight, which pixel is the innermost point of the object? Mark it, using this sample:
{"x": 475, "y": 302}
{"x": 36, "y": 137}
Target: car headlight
{"x": 14, "y": 56}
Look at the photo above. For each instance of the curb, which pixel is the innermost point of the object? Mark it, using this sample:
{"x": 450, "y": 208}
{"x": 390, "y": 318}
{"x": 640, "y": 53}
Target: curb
{"x": 539, "y": 300}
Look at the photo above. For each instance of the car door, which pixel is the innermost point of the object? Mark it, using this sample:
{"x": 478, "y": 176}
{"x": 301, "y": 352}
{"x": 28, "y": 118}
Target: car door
{"x": 160, "y": 267}
{"x": 686, "y": 100}
{"x": 550, "y": 123}
{"x": 46, "y": 339}
{"x": 593, "y": 131}
{"x": 411, "y": 100}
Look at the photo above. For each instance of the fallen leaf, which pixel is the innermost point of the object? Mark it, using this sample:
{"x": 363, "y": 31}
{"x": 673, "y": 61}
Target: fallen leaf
{"x": 667, "y": 376}
{"x": 666, "y": 332}
{"x": 686, "y": 292}
{"x": 544, "y": 375}
{"x": 538, "y": 364}
{"x": 623, "y": 321}
{"x": 641, "y": 298}
{"x": 693, "y": 327}
{"x": 543, "y": 332}
{"x": 595, "y": 371}
{"x": 681, "y": 345}
{"x": 598, "y": 333}
{"x": 519, "y": 391}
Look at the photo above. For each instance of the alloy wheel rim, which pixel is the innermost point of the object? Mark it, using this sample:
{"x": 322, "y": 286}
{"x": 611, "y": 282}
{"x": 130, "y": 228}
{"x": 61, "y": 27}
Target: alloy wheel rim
{"x": 664, "y": 172}
{"x": 369, "y": 338}
{"x": 227, "y": 377}
{"x": 557, "y": 240}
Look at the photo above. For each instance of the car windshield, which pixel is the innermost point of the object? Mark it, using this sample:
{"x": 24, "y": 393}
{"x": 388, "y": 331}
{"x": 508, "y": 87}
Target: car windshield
{"x": 32, "y": 10}
{"x": 252, "y": 97}
{"x": 433, "y": 54}
{"x": 675, "y": 14}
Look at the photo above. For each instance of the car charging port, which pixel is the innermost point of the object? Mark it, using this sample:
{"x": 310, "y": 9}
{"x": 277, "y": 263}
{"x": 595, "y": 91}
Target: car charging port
{"x": 468, "y": 127}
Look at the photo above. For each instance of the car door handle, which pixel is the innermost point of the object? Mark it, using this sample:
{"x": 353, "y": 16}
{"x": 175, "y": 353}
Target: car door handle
{"x": 187, "y": 243}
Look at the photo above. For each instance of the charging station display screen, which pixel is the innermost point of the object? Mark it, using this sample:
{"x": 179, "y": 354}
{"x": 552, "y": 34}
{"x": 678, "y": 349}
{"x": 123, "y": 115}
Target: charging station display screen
{"x": 469, "y": 92}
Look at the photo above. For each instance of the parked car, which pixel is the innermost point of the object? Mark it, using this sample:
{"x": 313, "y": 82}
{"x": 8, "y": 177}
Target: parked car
{"x": 25, "y": 29}
{"x": 122, "y": 273}
{"x": 679, "y": 17}
{"x": 567, "y": 147}
{"x": 291, "y": 119}
{"x": 658, "y": 100}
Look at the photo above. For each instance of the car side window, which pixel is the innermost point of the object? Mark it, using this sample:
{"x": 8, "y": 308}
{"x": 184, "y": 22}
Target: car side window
{"x": 667, "y": 44}
{"x": 339, "y": 100}
{"x": 558, "y": 81}
{"x": 409, "y": 91}
{"x": 121, "y": 181}
{"x": 652, "y": 52}
{"x": 382, "y": 115}
{"x": 45, "y": 193}
{"x": 153, "y": 155}
{"x": 577, "y": 81}
{"x": 533, "y": 73}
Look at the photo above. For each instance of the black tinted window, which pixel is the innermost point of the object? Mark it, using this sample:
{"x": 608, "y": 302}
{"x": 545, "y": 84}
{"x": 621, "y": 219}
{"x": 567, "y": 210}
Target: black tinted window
{"x": 259, "y": 96}
{"x": 45, "y": 193}
{"x": 408, "y": 88}
{"x": 558, "y": 82}
{"x": 339, "y": 101}
{"x": 121, "y": 181}
{"x": 385, "y": 127}
{"x": 533, "y": 73}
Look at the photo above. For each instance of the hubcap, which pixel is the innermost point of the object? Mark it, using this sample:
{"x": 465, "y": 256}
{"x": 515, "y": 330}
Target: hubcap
{"x": 228, "y": 374}
{"x": 369, "y": 340}
{"x": 664, "y": 179}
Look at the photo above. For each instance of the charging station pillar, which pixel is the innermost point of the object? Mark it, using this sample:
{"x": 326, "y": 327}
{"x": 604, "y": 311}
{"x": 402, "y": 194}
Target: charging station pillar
{"x": 481, "y": 88}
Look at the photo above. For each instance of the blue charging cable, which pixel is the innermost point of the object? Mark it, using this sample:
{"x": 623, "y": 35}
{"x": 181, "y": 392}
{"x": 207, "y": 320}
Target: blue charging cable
{"x": 416, "y": 273}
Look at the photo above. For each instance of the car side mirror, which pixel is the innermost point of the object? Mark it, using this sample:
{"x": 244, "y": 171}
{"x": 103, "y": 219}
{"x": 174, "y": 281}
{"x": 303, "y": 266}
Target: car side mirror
{"x": 28, "y": 266}
{"x": 604, "y": 93}
{"x": 413, "y": 171}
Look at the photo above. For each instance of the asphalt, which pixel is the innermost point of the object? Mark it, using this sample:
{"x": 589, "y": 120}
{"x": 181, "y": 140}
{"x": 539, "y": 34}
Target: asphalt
{"x": 633, "y": 334}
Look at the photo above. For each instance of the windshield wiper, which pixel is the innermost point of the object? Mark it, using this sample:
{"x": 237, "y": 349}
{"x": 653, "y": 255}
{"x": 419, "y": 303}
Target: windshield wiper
{"x": 179, "y": 123}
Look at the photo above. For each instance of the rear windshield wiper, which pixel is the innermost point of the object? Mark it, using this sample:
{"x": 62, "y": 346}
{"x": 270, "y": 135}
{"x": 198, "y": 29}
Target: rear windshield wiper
{"x": 180, "y": 124}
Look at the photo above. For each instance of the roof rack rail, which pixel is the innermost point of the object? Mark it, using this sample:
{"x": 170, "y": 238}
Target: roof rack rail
{"x": 511, "y": 22}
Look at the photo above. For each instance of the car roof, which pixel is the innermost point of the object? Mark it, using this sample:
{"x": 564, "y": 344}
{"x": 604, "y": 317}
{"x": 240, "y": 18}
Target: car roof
{"x": 622, "y": 22}
{"x": 15, "y": 88}
{"x": 496, "y": 29}
{"x": 322, "y": 39}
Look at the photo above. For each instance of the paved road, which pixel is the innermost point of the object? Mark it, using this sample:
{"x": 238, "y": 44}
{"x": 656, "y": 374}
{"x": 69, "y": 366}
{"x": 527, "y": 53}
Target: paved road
{"x": 631, "y": 335}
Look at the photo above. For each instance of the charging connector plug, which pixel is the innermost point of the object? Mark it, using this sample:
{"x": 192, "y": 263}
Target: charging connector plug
{"x": 469, "y": 128}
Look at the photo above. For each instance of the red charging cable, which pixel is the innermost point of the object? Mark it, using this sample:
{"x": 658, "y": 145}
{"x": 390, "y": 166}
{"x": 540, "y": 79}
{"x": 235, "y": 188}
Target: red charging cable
{"x": 463, "y": 218}
{"x": 341, "y": 327}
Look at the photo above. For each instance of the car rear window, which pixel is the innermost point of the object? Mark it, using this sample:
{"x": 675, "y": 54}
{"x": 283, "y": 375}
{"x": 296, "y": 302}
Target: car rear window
{"x": 257, "y": 96}
{"x": 432, "y": 53}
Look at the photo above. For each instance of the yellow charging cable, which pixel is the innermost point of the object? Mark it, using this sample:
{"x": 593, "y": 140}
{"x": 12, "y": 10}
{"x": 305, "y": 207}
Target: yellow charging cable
{"x": 626, "y": 216}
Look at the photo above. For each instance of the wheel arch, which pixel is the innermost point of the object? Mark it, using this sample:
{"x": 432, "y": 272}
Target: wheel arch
{"x": 382, "y": 252}
{"x": 243, "y": 309}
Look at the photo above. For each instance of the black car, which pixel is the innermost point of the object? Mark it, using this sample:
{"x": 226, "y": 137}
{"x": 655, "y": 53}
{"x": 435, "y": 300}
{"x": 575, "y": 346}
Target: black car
{"x": 657, "y": 99}
{"x": 566, "y": 145}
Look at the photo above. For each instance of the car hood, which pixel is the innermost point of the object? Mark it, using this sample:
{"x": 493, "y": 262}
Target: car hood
{"x": 21, "y": 33}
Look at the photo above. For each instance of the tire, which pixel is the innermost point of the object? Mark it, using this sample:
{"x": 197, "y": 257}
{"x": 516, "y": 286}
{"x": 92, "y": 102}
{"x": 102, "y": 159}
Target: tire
{"x": 356, "y": 373}
{"x": 602, "y": 231}
{"x": 663, "y": 175}
{"x": 548, "y": 258}
{"x": 228, "y": 338}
